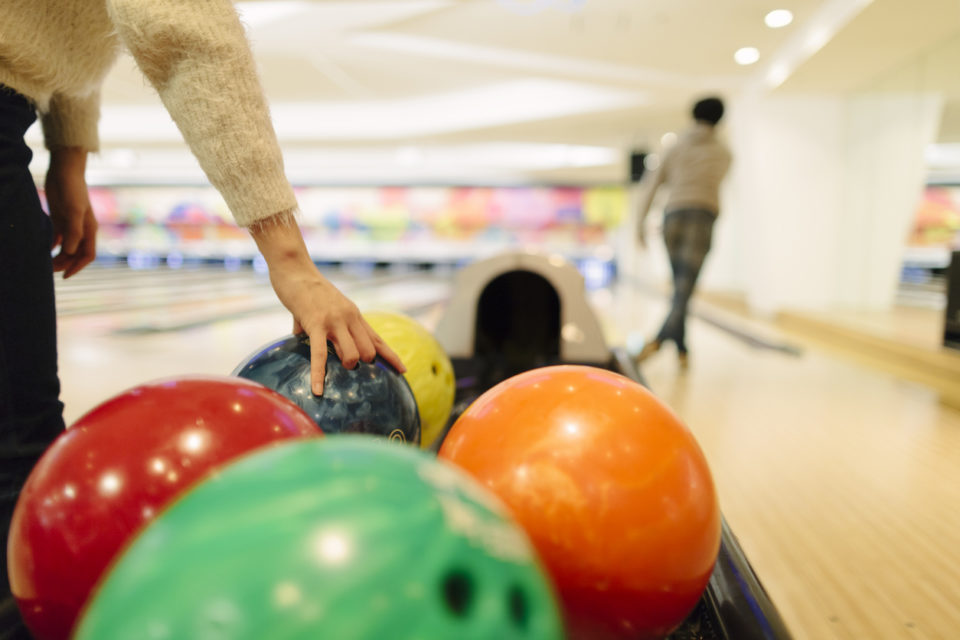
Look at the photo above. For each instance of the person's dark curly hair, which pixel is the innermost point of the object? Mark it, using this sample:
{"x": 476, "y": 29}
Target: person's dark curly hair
{"x": 708, "y": 110}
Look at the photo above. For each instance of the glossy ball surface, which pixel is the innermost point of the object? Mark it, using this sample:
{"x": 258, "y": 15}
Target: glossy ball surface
{"x": 372, "y": 398}
{"x": 347, "y": 537}
{"x": 114, "y": 470}
{"x": 612, "y": 488}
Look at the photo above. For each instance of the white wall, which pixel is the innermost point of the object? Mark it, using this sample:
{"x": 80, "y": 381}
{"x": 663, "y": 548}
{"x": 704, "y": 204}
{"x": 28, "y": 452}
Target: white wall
{"x": 820, "y": 198}
{"x": 888, "y": 134}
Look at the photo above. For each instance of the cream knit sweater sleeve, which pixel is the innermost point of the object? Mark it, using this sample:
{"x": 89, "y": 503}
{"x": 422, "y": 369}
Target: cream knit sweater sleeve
{"x": 72, "y": 122}
{"x": 196, "y": 55}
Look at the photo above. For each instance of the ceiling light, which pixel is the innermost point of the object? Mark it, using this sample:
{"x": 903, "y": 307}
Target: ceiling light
{"x": 778, "y": 18}
{"x": 777, "y": 75}
{"x": 404, "y": 118}
{"x": 816, "y": 40}
{"x": 746, "y": 55}
{"x": 531, "y": 7}
{"x": 258, "y": 14}
{"x": 409, "y": 156}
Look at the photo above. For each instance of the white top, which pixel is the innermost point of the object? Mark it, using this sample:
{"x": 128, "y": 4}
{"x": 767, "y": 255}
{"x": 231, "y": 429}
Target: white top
{"x": 693, "y": 170}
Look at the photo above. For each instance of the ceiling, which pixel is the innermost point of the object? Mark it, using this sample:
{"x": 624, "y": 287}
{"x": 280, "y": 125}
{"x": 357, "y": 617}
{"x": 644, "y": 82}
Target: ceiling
{"x": 406, "y": 90}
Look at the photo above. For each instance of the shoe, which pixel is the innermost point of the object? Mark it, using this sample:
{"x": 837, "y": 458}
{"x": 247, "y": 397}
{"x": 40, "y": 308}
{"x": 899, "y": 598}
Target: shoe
{"x": 648, "y": 350}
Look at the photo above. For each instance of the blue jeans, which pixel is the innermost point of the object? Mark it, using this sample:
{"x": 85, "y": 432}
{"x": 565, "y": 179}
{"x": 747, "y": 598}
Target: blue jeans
{"x": 687, "y": 234}
{"x": 31, "y": 414}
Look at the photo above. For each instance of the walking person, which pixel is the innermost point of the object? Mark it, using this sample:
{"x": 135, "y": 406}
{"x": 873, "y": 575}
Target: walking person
{"x": 693, "y": 170}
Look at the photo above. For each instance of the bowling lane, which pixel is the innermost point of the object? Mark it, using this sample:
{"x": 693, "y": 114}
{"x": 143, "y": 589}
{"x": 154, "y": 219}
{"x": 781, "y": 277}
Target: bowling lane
{"x": 837, "y": 479}
{"x": 120, "y": 327}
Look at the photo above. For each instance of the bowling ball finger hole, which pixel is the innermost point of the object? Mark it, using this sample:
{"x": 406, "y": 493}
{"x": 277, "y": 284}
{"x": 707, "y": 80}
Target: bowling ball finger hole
{"x": 518, "y": 607}
{"x": 457, "y": 590}
{"x": 435, "y": 368}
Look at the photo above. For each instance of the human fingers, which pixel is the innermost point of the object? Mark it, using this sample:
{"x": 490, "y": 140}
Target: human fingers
{"x": 384, "y": 349}
{"x": 318, "y": 363}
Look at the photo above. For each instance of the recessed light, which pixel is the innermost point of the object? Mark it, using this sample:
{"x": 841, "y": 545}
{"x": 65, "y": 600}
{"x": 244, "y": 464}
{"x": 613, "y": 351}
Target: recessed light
{"x": 777, "y": 75}
{"x": 778, "y": 18}
{"x": 746, "y": 55}
{"x": 259, "y": 13}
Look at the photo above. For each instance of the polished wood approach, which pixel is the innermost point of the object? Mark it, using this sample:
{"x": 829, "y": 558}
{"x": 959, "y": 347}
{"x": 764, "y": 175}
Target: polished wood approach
{"x": 841, "y": 480}
{"x": 905, "y": 342}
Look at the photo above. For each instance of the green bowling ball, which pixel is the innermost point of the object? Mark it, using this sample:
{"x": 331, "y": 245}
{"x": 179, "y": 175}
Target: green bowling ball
{"x": 345, "y": 538}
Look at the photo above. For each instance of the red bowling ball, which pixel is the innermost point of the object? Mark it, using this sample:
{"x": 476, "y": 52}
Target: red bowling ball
{"x": 115, "y": 469}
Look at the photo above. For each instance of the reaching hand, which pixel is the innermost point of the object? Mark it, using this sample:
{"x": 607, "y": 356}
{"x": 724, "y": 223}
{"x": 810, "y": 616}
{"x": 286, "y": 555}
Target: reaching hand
{"x": 318, "y": 307}
{"x": 324, "y": 313}
{"x": 74, "y": 225}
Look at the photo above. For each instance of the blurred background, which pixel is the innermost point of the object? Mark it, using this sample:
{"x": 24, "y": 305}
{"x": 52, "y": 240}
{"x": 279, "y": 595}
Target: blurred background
{"x": 424, "y": 134}
{"x": 437, "y": 131}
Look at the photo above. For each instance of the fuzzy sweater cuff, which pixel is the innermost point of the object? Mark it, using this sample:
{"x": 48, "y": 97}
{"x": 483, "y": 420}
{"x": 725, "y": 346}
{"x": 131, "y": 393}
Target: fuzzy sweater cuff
{"x": 72, "y": 122}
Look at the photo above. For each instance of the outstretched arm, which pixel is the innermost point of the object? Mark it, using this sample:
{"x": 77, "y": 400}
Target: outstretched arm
{"x": 196, "y": 55}
{"x": 317, "y": 306}
{"x": 647, "y": 200}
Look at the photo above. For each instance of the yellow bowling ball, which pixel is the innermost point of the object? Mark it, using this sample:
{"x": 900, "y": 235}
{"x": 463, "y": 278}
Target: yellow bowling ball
{"x": 429, "y": 372}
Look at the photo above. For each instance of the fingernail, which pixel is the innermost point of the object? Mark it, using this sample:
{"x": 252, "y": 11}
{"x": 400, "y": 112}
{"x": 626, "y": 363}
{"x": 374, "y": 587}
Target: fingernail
{"x": 318, "y": 389}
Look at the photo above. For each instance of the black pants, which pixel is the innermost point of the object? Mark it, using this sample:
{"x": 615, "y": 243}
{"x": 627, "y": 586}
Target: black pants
{"x": 31, "y": 414}
{"x": 688, "y": 234}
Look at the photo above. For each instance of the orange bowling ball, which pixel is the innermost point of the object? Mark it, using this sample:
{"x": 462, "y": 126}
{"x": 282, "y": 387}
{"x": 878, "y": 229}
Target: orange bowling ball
{"x": 612, "y": 488}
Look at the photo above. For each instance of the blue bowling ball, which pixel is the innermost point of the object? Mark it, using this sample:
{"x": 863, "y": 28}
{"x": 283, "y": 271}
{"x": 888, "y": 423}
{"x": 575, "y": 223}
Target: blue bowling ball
{"x": 371, "y": 398}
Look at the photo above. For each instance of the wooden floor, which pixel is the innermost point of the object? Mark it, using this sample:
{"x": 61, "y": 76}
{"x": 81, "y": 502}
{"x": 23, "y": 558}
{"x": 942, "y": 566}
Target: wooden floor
{"x": 921, "y": 327}
{"x": 842, "y": 482}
